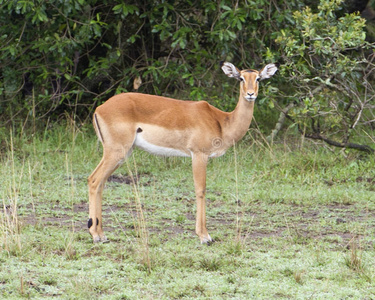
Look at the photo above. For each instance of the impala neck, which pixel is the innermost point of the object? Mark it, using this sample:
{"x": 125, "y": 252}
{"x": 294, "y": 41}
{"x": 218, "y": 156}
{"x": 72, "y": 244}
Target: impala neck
{"x": 239, "y": 120}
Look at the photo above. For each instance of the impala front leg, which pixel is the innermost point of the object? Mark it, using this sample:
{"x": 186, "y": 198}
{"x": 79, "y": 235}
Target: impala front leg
{"x": 199, "y": 173}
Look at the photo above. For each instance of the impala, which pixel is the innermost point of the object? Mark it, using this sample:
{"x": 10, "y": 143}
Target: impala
{"x": 169, "y": 127}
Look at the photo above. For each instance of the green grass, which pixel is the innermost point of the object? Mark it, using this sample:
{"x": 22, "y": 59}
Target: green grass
{"x": 289, "y": 221}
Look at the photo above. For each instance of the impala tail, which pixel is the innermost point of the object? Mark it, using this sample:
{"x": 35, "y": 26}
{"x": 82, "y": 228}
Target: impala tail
{"x": 97, "y": 128}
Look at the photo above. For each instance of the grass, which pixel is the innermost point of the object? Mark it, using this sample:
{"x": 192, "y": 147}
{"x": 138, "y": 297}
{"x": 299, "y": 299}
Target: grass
{"x": 289, "y": 221}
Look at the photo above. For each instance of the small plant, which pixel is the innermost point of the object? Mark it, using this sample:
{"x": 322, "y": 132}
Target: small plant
{"x": 140, "y": 224}
{"x": 48, "y": 280}
{"x": 10, "y": 226}
{"x": 70, "y": 251}
{"x": 319, "y": 259}
{"x": 22, "y": 285}
{"x": 298, "y": 276}
{"x": 181, "y": 219}
{"x": 210, "y": 263}
{"x": 353, "y": 259}
{"x": 186, "y": 261}
{"x": 10, "y": 230}
{"x": 235, "y": 248}
{"x": 287, "y": 272}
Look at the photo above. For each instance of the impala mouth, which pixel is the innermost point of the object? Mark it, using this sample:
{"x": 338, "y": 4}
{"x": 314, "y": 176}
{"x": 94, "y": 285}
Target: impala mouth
{"x": 250, "y": 98}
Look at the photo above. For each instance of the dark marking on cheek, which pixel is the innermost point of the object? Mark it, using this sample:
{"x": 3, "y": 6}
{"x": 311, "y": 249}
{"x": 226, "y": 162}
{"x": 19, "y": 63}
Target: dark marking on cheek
{"x": 97, "y": 221}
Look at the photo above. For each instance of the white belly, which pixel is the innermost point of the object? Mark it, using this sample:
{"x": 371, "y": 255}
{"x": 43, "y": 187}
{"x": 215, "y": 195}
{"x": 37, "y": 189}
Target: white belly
{"x": 156, "y": 150}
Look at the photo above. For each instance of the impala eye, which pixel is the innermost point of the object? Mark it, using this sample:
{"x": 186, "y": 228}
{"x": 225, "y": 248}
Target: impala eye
{"x": 258, "y": 79}
{"x": 242, "y": 79}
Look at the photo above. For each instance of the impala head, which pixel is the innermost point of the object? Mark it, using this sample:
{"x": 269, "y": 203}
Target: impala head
{"x": 249, "y": 78}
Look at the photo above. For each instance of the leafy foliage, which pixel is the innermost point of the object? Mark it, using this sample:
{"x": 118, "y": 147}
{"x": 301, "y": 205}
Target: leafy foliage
{"x": 329, "y": 64}
{"x": 70, "y": 55}
{"x": 62, "y": 55}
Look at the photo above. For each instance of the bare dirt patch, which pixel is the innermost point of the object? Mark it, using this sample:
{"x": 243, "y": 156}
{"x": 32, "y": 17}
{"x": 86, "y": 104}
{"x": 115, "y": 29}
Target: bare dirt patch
{"x": 118, "y": 178}
{"x": 337, "y": 223}
{"x": 142, "y": 178}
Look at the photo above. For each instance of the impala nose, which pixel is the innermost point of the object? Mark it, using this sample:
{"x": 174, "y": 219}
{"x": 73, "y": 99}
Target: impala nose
{"x": 250, "y": 96}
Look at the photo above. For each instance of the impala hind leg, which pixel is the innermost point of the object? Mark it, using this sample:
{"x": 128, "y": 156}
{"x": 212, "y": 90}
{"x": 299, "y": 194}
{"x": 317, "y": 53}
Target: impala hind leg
{"x": 199, "y": 174}
{"x": 111, "y": 160}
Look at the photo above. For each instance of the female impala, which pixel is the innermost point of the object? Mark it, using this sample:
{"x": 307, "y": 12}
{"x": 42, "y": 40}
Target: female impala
{"x": 169, "y": 127}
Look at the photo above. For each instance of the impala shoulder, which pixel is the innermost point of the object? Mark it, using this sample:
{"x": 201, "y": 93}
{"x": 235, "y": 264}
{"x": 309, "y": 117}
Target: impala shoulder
{"x": 203, "y": 105}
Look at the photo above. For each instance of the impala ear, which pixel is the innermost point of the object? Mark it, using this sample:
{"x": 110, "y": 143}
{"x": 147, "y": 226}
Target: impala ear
{"x": 230, "y": 70}
{"x": 268, "y": 71}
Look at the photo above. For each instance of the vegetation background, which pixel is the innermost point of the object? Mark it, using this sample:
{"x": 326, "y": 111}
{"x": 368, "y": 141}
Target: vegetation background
{"x": 65, "y": 57}
{"x": 291, "y": 207}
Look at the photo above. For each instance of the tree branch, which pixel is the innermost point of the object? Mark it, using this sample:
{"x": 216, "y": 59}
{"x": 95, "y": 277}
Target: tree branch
{"x": 318, "y": 136}
{"x": 284, "y": 113}
{"x": 280, "y": 122}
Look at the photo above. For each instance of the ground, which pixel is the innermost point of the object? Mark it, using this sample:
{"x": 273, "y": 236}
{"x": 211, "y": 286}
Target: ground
{"x": 288, "y": 223}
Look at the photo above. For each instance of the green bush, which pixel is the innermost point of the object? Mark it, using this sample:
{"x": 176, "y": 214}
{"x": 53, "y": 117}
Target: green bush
{"x": 59, "y": 56}
{"x": 68, "y": 56}
{"x": 328, "y": 64}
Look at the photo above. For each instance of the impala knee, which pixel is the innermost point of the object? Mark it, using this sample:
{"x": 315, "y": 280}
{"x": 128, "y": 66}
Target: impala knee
{"x": 201, "y": 193}
{"x": 91, "y": 181}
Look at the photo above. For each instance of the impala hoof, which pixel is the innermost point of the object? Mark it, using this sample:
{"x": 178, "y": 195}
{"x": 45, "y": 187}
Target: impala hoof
{"x": 207, "y": 240}
{"x": 104, "y": 239}
{"x": 98, "y": 239}
{"x": 209, "y": 243}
